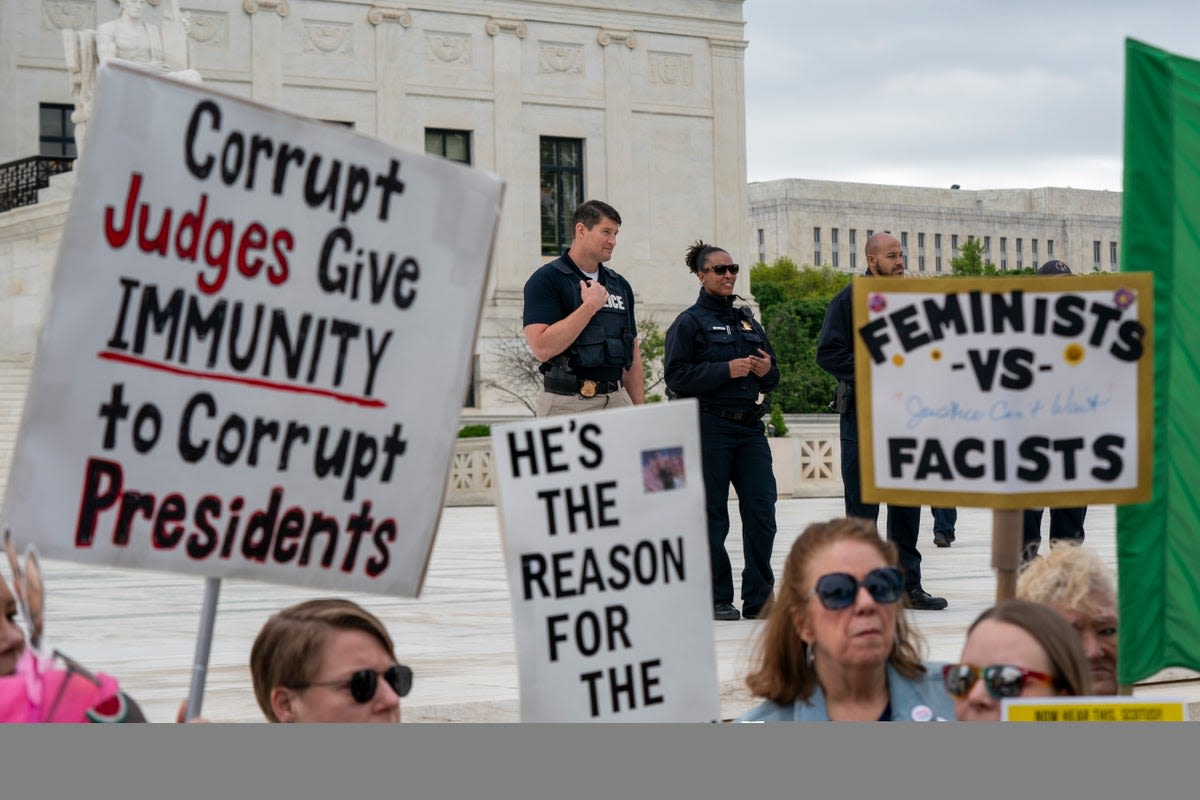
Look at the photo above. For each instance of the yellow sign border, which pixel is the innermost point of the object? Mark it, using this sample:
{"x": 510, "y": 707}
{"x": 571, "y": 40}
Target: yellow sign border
{"x": 1141, "y": 282}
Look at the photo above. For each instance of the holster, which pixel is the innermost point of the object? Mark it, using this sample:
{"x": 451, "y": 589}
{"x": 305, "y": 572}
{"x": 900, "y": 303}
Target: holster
{"x": 843, "y": 398}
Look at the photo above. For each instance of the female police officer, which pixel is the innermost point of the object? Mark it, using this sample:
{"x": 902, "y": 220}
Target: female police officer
{"x": 719, "y": 354}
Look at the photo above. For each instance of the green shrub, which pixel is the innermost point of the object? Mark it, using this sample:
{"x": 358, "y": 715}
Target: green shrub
{"x": 777, "y": 422}
{"x": 474, "y": 431}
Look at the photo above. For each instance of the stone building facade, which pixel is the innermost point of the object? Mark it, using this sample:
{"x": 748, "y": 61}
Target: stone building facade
{"x": 636, "y": 102}
{"x": 828, "y": 223}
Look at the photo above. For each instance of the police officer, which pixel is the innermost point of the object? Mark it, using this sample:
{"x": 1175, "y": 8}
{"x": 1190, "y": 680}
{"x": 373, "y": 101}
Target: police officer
{"x": 719, "y": 354}
{"x": 1065, "y": 523}
{"x": 835, "y": 355}
{"x": 579, "y": 322}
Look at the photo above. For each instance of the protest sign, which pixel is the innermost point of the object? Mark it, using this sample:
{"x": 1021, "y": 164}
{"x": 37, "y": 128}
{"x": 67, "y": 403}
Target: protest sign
{"x": 1093, "y": 709}
{"x": 1005, "y": 393}
{"x": 606, "y": 548}
{"x": 257, "y": 330}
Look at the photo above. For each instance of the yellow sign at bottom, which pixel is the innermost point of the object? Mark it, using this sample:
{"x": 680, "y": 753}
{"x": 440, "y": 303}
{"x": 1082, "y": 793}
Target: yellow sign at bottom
{"x": 1093, "y": 709}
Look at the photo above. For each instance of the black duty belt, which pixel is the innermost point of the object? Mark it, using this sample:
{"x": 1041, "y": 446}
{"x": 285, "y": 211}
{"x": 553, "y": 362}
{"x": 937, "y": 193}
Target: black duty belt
{"x": 749, "y": 415}
{"x": 580, "y": 386}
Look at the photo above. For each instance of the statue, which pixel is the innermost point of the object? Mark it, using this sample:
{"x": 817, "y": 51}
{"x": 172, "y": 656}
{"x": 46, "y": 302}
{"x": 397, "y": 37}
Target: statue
{"x": 129, "y": 39}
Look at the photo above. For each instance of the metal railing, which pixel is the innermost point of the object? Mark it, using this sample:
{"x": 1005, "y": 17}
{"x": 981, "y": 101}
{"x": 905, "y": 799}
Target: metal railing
{"x": 20, "y": 180}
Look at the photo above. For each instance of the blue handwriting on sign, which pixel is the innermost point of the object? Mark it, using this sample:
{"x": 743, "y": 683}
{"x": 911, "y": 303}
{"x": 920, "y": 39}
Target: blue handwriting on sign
{"x": 953, "y": 411}
{"x": 1083, "y": 404}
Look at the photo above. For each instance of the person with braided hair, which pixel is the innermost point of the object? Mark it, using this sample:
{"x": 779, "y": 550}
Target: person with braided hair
{"x": 718, "y": 353}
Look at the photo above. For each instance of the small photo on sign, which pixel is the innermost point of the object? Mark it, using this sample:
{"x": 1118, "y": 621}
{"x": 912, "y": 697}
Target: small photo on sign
{"x": 662, "y": 469}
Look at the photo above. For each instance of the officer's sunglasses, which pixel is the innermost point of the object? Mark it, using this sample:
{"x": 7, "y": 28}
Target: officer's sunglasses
{"x": 721, "y": 269}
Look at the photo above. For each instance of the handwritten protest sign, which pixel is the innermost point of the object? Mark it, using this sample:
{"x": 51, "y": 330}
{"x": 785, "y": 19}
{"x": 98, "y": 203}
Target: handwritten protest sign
{"x": 1093, "y": 709}
{"x": 606, "y": 549}
{"x": 1005, "y": 393}
{"x": 257, "y": 330}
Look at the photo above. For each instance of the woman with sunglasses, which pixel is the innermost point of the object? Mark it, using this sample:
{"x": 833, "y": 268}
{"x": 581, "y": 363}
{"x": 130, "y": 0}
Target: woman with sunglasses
{"x": 1017, "y": 648}
{"x": 837, "y": 644}
{"x": 718, "y": 353}
{"x": 327, "y": 660}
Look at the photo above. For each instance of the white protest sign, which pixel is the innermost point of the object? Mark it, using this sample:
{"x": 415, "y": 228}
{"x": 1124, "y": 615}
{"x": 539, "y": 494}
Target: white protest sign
{"x": 257, "y": 333}
{"x": 1005, "y": 393}
{"x": 606, "y": 546}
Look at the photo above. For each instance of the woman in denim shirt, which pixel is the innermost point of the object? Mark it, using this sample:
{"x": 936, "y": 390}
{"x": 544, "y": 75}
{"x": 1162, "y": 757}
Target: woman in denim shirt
{"x": 837, "y": 644}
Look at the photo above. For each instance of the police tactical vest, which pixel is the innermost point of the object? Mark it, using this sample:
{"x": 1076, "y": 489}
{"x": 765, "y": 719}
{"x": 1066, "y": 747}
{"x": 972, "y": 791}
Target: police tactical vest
{"x": 734, "y": 333}
{"x": 607, "y": 340}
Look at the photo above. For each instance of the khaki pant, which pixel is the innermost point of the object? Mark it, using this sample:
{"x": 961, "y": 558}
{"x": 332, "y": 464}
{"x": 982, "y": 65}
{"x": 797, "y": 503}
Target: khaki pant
{"x": 556, "y": 405}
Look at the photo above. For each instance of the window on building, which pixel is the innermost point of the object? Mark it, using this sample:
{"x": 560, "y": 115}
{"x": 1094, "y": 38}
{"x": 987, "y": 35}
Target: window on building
{"x": 954, "y": 245}
{"x": 937, "y": 252}
{"x": 816, "y": 247}
{"x": 56, "y": 132}
{"x": 853, "y": 250}
{"x": 1112, "y": 256}
{"x": 1049, "y": 248}
{"x": 987, "y": 249}
{"x": 1003, "y": 252}
{"x": 562, "y": 190}
{"x": 454, "y": 145}
{"x": 1033, "y": 253}
{"x": 762, "y": 246}
{"x": 1020, "y": 259}
{"x": 833, "y": 246}
{"x": 904, "y": 241}
{"x": 1096, "y": 254}
{"x": 870, "y": 233}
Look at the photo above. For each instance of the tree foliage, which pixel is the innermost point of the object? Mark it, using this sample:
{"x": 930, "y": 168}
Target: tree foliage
{"x": 969, "y": 261}
{"x": 652, "y": 342}
{"x": 792, "y": 301}
{"x": 794, "y": 328}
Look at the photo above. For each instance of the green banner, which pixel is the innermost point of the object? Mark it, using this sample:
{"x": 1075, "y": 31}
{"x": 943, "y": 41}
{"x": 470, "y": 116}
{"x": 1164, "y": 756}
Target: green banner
{"x": 1158, "y": 543}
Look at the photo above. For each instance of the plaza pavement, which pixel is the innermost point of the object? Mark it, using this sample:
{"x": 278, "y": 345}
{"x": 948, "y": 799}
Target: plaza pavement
{"x": 140, "y": 626}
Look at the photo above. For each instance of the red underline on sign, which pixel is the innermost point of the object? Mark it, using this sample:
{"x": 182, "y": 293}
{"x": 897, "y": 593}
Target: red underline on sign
{"x": 261, "y": 384}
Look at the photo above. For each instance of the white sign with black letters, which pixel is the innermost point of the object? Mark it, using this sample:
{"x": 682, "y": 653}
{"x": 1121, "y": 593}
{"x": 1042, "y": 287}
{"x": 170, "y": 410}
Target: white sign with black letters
{"x": 1005, "y": 392}
{"x": 256, "y": 329}
{"x": 606, "y": 547}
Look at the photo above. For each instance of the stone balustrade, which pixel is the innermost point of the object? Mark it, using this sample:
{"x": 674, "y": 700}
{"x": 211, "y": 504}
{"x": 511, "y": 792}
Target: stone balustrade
{"x": 806, "y": 463}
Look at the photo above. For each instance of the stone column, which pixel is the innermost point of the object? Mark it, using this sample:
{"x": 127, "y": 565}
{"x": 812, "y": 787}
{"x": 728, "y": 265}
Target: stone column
{"x": 389, "y": 55}
{"x": 732, "y": 211}
{"x": 618, "y": 190}
{"x": 266, "y": 34}
{"x": 510, "y": 265}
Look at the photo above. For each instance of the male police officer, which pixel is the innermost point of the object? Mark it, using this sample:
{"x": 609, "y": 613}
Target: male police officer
{"x": 579, "y": 322}
{"x": 835, "y": 355}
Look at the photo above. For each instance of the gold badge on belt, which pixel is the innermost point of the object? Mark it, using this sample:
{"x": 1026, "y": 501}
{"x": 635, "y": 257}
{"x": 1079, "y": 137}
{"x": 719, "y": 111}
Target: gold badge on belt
{"x": 746, "y": 325}
{"x": 588, "y": 389}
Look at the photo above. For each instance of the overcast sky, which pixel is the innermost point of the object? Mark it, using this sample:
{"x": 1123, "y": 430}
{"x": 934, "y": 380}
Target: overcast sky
{"x": 982, "y": 93}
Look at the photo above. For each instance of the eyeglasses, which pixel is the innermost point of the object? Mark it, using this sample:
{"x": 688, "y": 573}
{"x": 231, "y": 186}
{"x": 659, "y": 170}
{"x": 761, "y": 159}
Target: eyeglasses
{"x": 837, "y": 590}
{"x": 721, "y": 269}
{"x": 364, "y": 683}
{"x": 1000, "y": 680}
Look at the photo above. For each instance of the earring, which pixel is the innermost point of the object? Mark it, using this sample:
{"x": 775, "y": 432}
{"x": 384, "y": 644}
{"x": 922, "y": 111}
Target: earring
{"x": 809, "y": 655}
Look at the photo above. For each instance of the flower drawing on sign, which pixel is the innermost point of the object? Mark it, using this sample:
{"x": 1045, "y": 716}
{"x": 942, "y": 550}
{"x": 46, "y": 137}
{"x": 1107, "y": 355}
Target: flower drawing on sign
{"x": 898, "y": 360}
{"x": 1123, "y": 298}
{"x": 935, "y": 354}
{"x": 1073, "y": 354}
{"x": 662, "y": 469}
{"x": 877, "y": 303}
